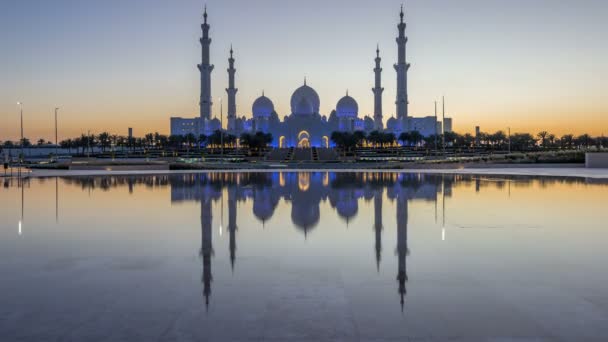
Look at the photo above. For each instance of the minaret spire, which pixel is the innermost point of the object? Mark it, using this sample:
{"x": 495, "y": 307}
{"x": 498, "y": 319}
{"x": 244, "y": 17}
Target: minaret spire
{"x": 231, "y": 90}
{"x": 205, "y": 69}
{"x": 402, "y": 67}
{"x": 378, "y": 90}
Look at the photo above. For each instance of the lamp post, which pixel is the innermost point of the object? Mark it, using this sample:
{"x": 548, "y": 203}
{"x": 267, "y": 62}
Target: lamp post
{"x": 221, "y": 130}
{"x": 443, "y": 125}
{"x": 436, "y": 127}
{"x": 56, "y": 140}
{"x": 21, "y": 141}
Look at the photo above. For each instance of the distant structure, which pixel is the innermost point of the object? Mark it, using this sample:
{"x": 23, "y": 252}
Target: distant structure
{"x": 305, "y": 126}
{"x": 402, "y": 67}
{"x": 130, "y": 133}
{"x": 231, "y": 90}
{"x": 378, "y": 90}
{"x": 205, "y": 69}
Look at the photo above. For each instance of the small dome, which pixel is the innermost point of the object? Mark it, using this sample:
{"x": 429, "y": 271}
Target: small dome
{"x": 262, "y": 107}
{"x": 308, "y": 93}
{"x": 391, "y": 123}
{"x": 304, "y": 107}
{"x": 347, "y": 107}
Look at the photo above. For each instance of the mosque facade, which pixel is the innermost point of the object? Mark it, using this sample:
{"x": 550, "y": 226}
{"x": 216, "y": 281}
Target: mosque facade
{"x": 305, "y": 126}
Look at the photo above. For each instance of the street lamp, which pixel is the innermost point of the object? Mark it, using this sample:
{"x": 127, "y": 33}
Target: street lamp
{"x": 56, "y": 141}
{"x": 221, "y": 129}
{"x": 21, "y": 141}
{"x": 20, "y": 104}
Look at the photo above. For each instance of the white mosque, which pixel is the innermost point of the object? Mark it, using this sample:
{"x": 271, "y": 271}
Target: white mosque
{"x": 305, "y": 126}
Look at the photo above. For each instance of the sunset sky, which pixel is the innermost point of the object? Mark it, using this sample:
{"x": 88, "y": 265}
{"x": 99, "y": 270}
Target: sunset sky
{"x": 526, "y": 64}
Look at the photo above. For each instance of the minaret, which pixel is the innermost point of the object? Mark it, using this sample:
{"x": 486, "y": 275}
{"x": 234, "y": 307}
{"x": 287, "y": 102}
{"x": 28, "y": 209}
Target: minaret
{"x": 231, "y": 90}
{"x": 402, "y": 67}
{"x": 205, "y": 68}
{"x": 378, "y": 93}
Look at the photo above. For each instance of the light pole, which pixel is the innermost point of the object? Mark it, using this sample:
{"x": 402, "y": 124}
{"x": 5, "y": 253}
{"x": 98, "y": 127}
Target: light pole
{"x": 443, "y": 130}
{"x": 56, "y": 141}
{"x": 222, "y": 129}
{"x": 21, "y": 141}
{"x": 436, "y": 127}
{"x": 21, "y": 114}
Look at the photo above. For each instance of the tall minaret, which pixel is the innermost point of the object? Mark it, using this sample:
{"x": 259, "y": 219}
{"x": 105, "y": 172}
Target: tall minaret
{"x": 402, "y": 67}
{"x": 205, "y": 68}
{"x": 378, "y": 93}
{"x": 231, "y": 90}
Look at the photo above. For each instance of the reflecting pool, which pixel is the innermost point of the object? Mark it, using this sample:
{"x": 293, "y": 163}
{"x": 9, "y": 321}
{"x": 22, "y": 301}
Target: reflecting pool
{"x": 309, "y": 256}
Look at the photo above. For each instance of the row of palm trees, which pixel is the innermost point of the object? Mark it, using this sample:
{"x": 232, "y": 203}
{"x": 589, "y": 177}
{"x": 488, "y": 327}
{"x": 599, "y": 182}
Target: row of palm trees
{"x": 496, "y": 141}
{"x": 489, "y": 141}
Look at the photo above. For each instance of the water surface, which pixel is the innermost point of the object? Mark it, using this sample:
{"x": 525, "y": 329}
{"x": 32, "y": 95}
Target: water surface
{"x": 303, "y": 256}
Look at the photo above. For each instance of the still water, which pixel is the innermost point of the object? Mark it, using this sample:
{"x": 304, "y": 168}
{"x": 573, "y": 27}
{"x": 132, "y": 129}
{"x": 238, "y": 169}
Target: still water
{"x": 303, "y": 256}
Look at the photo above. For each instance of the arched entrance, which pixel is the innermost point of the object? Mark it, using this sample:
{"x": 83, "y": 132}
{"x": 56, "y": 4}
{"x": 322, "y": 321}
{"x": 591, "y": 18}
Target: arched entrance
{"x": 326, "y": 141}
{"x": 303, "y": 139}
{"x": 282, "y": 141}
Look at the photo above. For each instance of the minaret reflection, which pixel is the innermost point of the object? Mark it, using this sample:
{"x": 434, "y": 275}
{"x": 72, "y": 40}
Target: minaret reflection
{"x": 206, "y": 246}
{"x": 402, "y": 250}
{"x": 232, "y": 198}
{"x": 378, "y": 225}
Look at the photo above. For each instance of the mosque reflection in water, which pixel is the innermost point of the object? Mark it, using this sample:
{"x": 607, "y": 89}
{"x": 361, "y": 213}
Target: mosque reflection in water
{"x": 305, "y": 192}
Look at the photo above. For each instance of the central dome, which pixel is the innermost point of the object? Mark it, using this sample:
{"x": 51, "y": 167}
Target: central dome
{"x": 303, "y": 98}
{"x": 304, "y": 107}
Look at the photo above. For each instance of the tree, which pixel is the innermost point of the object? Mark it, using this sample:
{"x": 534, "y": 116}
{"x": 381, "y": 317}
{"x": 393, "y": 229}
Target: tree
{"x": 416, "y": 137}
{"x": 387, "y": 139}
{"x": 256, "y": 141}
{"x": 104, "y": 140}
{"x": 359, "y": 138}
{"x": 374, "y": 138}
{"x": 543, "y": 135}
{"x": 498, "y": 139}
{"x": 176, "y": 141}
{"x": 584, "y": 140}
{"x": 567, "y": 141}
{"x": 405, "y": 138}
{"x": 25, "y": 142}
{"x": 40, "y": 142}
{"x": 522, "y": 141}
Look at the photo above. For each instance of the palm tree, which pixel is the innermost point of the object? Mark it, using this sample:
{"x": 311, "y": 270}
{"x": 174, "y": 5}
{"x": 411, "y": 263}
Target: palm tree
{"x": 104, "y": 140}
{"x": 405, "y": 138}
{"x": 543, "y": 138}
{"x": 498, "y": 138}
{"x": 584, "y": 140}
{"x": 551, "y": 139}
{"x": 374, "y": 138}
{"x": 567, "y": 140}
